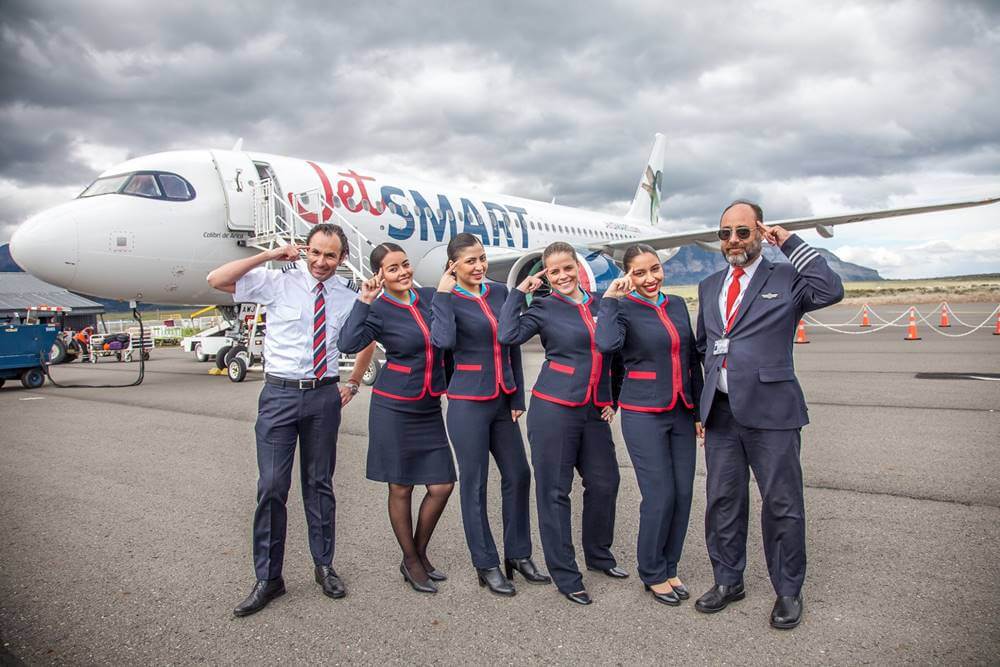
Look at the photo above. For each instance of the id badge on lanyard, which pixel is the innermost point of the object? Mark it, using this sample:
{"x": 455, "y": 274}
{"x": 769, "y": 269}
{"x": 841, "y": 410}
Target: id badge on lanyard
{"x": 721, "y": 346}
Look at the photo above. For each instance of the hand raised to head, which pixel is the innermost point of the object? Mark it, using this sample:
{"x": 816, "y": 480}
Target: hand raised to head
{"x": 532, "y": 282}
{"x": 448, "y": 279}
{"x": 371, "y": 287}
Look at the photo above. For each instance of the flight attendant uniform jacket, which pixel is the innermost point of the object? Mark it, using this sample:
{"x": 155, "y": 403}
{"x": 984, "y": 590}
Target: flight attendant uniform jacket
{"x": 575, "y": 371}
{"x": 657, "y": 346}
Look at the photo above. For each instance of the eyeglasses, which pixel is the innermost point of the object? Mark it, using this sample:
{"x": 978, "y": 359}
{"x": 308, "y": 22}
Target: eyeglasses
{"x": 742, "y": 233}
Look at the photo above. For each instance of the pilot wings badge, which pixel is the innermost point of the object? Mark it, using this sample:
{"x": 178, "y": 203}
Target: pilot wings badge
{"x": 769, "y": 295}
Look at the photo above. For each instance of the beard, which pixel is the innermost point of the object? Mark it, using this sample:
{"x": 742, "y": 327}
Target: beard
{"x": 745, "y": 257}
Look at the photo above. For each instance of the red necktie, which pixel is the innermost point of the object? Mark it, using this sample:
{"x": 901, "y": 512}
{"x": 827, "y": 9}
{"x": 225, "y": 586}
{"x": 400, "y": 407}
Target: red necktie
{"x": 731, "y": 296}
{"x": 319, "y": 333}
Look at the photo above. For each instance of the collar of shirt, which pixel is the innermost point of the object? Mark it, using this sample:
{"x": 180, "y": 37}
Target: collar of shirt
{"x": 413, "y": 297}
{"x": 660, "y": 298}
{"x": 462, "y": 290}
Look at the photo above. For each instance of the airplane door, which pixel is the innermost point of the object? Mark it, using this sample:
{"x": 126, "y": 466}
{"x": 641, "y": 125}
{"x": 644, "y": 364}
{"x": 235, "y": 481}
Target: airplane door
{"x": 237, "y": 172}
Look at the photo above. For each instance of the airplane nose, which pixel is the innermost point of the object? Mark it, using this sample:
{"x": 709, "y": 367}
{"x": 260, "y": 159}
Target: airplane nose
{"x": 46, "y": 246}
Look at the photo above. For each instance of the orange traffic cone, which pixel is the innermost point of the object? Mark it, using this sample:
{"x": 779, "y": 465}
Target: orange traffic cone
{"x": 911, "y": 331}
{"x": 800, "y": 335}
{"x": 945, "y": 323}
{"x": 865, "y": 322}
{"x": 996, "y": 332}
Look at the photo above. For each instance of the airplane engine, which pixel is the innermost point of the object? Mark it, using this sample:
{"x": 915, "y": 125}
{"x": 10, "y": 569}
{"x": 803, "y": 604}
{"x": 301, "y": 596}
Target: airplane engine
{"x": 597, "y": 270}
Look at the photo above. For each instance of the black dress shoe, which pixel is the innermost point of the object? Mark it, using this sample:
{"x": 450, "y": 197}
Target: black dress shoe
{"x": 333, "y": 587}
{"x": 263, "y": 592}
{"x": 527, "y": 569}
{"x": 437, "y": 575}
{"x": 718, "y": 597}
{"x": 682, "y": 592}
{"x": 579, "y": 598}
{"x": 787, "y": 612}
{"x": 429, "y": 587}
{"x": 613, "y": 572}
{"x": 499, "y": 584}
{"x": 671, "y": 598}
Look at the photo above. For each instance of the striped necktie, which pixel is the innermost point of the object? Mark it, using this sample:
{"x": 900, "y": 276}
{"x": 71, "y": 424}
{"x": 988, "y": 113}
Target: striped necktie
{"x": 319, "y": 333}
{"x": 731, "y": 296}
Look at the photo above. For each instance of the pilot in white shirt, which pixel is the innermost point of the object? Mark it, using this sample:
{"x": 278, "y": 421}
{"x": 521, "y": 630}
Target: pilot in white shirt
{"x": 301, "y": 399}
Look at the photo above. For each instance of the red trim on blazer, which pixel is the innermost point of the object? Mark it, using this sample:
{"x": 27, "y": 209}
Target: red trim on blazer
{"x": 596, "y": 358}
{"x": 428, "y": 352}
{"x": 675, "y": 357}
{"x": 468, "y": 367}
{"x": 642, "y": 375}
{"x": 561, "y": 368}
{"x": 497, "y": 363}
{"x": 397, "y": 367}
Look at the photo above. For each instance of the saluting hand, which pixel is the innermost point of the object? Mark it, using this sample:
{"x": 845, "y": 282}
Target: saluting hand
{"x": 608, "y": 413}
{"x": 619, "y": 287}
{"x": 532, "y": 282}
{"x": 775, "y": 235}
{"x": 448, "y": 279}
{"x": 371, "y": 287}
{"x": 288, "y": 253}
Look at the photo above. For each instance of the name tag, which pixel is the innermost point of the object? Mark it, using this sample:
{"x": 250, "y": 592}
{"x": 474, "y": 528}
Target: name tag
{"x": 721, "y": 347}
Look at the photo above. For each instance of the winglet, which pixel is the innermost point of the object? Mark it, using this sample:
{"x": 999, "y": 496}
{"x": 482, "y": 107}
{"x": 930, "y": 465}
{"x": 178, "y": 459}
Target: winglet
{"x": 238, "y": 146}
{"x": 646, "y": 204}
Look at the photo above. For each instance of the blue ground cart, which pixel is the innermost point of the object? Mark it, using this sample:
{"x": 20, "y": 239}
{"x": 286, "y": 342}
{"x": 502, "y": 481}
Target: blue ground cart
{"x": 23, "y": 349}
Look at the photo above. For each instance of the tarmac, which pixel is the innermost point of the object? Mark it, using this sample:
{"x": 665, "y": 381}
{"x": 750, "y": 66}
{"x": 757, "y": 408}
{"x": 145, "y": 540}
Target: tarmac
{"x": 125, "y": 521}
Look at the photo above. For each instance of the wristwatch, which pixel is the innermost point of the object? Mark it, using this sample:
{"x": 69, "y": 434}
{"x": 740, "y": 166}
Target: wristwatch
{"x": 352, "y": 386}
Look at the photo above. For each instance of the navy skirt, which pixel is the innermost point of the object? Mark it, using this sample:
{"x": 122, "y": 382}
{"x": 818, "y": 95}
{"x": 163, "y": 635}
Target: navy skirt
{"x": 408, "y": 443}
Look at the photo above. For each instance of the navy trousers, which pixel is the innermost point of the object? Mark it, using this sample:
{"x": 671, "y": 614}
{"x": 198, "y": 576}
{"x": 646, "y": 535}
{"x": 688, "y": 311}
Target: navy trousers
{"x": 284, "y": 416}
{"x": 662, "y": 448}
{"x": 478, "y": 429}
{"x": 774, "y": 457}
{"x": 564, "y": 439}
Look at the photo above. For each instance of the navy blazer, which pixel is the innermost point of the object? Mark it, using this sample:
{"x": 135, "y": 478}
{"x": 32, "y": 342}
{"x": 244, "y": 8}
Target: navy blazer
{"x": 414, "y": 368}
{"x": 662, "y": 364}
{"x": 763, "y": 390}
{"x": 575, "y": 372}
{"x": 483, "y": 367}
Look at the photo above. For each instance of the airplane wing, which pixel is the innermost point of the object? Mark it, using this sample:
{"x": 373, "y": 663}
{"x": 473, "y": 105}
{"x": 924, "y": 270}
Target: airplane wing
{"x": 822, "y": 225}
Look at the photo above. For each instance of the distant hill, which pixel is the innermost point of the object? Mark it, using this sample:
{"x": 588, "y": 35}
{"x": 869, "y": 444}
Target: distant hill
{"x": 693, "y": 263}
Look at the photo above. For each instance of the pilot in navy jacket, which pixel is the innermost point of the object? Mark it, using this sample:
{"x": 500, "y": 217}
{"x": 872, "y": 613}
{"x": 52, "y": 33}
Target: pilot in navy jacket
{"x": 568, "y": 431}
{"x": 752, "y": 405}
{"x": 486, "y": 387}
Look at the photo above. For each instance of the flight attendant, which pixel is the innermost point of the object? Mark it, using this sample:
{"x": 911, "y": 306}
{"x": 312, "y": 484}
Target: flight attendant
{"x": 407, "y": 442}
{"x": 663, "y": 380}
{"x": 485, "y": 399}
{"x": 572, "y": 406}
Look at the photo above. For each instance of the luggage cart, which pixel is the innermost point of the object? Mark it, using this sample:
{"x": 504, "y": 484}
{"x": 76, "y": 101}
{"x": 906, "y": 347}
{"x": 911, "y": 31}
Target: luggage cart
{"x": 131, "y": 346}
{"x": 23, "y": 350}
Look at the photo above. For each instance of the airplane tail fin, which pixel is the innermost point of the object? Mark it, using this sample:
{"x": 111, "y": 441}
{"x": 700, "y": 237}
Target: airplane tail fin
{"x": 646, "y": 204}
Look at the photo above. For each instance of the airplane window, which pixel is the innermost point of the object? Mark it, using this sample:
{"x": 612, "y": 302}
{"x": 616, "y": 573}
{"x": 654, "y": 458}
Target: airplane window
{"x": 531, "y": 224}
{"x": 106, "y": 185}
{"x": 364, "y": 204}
{"x": 406, "y": 210}
{"x": 392, "y": 207}
{"x": 142, "y": 184}
{"x": 174, "y": 187}
{"x": 461, "y": 216}
{"x": 449, "y": 214}
{"x": 336, "y": 201}
{"x": 350, "y": 202}
{"x": 428, "y": 212}
{"x": 440, "y": 215}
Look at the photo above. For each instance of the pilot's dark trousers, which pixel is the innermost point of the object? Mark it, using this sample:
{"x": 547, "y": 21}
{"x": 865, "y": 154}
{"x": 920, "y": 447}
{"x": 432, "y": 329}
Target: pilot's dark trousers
{"x": 284, "y": 416}
{"x": 478, "y": 429}
{"x": 563, "y": 440}
{"x": 773, "y": 455}
{"x": 663, "y": 452}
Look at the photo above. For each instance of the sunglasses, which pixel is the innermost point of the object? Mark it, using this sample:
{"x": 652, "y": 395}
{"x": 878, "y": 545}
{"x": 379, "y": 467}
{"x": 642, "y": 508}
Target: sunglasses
{"x": 742, "y": 233}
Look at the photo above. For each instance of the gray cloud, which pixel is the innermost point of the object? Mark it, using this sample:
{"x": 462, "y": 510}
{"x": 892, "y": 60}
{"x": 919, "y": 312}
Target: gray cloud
{"x": 548, "y": 100}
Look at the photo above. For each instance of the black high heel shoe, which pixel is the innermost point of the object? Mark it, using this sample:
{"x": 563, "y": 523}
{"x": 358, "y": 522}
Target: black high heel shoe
{"x": 527, "y": 569}
{"x": 429, "y": 587}
{"x": 436, "y": 575}
{"x": 494, "y": 579}
{"x": 669, "y": 599}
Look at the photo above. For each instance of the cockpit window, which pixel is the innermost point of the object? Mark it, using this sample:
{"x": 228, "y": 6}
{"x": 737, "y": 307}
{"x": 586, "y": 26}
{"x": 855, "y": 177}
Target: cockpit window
{"x": 143, "y": 185}
{"x": 148, "y": 184}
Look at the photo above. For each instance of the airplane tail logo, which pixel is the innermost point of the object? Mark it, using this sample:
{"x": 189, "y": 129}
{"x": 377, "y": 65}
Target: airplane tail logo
{"x": 646, "y": 203}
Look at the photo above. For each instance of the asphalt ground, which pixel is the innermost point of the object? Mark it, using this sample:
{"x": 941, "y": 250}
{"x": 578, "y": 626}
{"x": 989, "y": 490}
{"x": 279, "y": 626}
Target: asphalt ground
{"x": 125, "y": 531}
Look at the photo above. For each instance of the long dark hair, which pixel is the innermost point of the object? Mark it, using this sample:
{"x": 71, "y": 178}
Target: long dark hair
{"x": 379, "y": 253}
{"x": 634, "y": 251}
{"x": 460, "y": 242}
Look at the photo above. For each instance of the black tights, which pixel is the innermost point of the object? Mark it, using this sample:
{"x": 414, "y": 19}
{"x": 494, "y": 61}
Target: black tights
{"x": 414, "y": 543}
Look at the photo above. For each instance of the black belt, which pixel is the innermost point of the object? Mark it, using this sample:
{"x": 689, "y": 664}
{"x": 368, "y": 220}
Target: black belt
{"x": 310, "y": 383}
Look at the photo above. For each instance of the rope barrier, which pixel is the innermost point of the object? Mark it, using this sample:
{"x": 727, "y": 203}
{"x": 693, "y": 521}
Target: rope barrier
{"x": 894, "y": 323}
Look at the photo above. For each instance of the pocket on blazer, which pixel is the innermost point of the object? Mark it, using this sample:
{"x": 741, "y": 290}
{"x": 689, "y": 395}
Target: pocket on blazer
{"x": 776, "y": 374}
{"x": 561, "y": 368}
{"x": 398, "y": 368}
{"x": 474, "y": 368}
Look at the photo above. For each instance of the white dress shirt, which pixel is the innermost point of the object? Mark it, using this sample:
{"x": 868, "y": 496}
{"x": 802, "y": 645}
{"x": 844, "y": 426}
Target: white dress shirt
{"x": 745, "y": 279}
{"x": 290, "y": 297}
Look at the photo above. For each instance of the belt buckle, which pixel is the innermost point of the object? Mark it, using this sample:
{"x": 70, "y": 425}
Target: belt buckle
{"x": 307, "y": 384}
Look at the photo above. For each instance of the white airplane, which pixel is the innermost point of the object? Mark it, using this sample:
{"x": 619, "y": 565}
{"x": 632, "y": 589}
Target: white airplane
{"x": 150, "y": 229}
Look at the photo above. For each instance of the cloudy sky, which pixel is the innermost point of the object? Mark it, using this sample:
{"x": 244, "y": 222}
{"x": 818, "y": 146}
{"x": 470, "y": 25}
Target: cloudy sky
{"x": 812, "y": 108}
